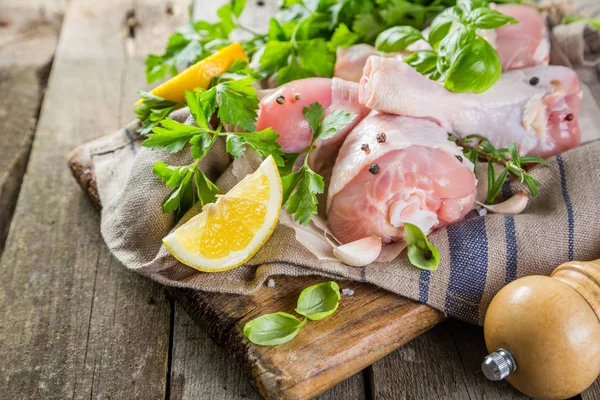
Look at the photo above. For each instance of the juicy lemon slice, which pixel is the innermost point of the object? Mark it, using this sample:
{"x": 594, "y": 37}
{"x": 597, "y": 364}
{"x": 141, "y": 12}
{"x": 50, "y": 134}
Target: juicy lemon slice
{"x": 200, "y": 74}
{"x": 230, "y": 231}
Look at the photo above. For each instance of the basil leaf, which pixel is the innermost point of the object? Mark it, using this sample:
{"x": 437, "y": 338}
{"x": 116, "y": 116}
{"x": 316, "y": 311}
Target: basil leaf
{"x": 468, "y": 5}
{"x": 440, "y": 26}
{"x": 273, "y": 329}
{"x": 397, "y": 38}
{"x": 319, "y": 301}
{"x": 425, "y": 62}
{"x": 475, "y": 68}
{"x": 421, "y": 253}
{"x": 486, "y": 18}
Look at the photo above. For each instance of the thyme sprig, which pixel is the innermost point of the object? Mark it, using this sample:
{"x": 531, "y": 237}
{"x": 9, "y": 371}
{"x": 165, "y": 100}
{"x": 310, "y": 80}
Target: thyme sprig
{"x": 477, "y": 147}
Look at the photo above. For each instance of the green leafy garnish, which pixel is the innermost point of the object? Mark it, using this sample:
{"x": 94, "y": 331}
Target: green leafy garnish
{"x": 233, "y": 98}
{"x": 477, "y": 147}
{"x": 273, "y": 329}
{"x": 397, "y": 38}
{"x": 460, "y": 57}
{"x": 421, "y": 253}
{"x": 315, "y": 302}
{"x": 152, "y": 110}
{"x": 319, "y": 301}
{"x": 300, "y": 188}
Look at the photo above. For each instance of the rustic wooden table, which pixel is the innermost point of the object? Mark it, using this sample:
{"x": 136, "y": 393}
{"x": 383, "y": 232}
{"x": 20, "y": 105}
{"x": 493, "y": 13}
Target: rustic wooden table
{"x": 73, "y": 322}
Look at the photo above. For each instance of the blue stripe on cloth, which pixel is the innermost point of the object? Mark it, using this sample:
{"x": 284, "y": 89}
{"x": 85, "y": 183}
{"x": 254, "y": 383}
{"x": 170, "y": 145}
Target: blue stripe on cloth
{"x": 565, "y": 191}
{"x": 511, "y": 239}
{"x": 424, "y": 286}
{"x": 130, "y": 137}
{"x": 468, "y": 269}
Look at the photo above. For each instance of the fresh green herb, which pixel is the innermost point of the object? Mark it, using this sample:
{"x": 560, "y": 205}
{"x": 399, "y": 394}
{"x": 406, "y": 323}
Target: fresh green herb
{"x": 569, "y": 19}
{"x": 152, "y": 110}
{"x": 233, "y": 99}
{"x": 198, "y": 40}
{"x": 421, "y": 253}
{"x": 300, "y": 188}
{"x": 273, "y": 329}
{"x": 319, "y": 301}
{"x": 303, "y": 36}
{"x": 315, "y": 302}
{"x": 477, "y": 147}
{"x": 462, "y": 59}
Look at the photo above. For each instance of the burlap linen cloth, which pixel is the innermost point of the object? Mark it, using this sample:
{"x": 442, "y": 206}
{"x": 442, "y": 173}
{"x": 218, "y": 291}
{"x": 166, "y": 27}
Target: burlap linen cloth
{"x": 478, "y": 255}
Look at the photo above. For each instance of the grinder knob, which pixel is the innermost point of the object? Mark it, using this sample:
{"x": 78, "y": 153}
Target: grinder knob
{"x": 544, "y": 332}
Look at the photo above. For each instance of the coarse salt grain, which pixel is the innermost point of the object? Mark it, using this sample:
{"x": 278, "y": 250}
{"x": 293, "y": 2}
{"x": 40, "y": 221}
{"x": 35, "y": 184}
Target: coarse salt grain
{"x": 270, "y": 283}
{"x": 483, "y": 212}
{"x": 348, "y": 292}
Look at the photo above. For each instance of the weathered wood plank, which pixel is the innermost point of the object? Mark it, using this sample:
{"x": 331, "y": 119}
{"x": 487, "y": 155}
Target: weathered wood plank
{"x": 201, "y": 370}
{"x": 73, "y": 322}
{"x": 440, "y": 364}
{"x": 28, "y": 39}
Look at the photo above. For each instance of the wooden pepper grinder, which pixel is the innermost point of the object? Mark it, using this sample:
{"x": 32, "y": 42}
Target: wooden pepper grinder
{"x": 544, "y": 332}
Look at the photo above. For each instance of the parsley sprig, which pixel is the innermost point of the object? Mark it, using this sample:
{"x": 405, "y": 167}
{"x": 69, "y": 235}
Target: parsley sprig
{"x": 300, "y": 188}
{"x": 232, "y": 98}
{"x": 477, "y": 147}
{"x": 462, "y": 59}
{"x": 152, "y": 110}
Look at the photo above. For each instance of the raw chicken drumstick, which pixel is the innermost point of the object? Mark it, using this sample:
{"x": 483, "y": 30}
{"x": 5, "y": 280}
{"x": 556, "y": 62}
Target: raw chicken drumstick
{"x": 535, "y": 107}
{"x": 394, "y": 169}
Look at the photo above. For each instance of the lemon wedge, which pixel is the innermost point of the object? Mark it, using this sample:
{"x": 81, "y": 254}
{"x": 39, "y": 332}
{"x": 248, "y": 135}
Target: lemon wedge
{"x": 200, "y": 74}
{"x": 230, "y": 231}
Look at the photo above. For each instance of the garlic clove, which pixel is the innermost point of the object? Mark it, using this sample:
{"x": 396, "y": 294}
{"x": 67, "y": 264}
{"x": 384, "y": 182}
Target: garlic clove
{"x": 515, "y": 205}
{"x": 359, "y": 253}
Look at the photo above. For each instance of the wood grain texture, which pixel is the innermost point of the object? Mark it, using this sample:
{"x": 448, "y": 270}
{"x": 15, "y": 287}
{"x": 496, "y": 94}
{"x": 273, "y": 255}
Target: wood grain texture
{"x": 444, "y": 364}
{"x": 27, "y": 43}
{"x": 73, "y": 322}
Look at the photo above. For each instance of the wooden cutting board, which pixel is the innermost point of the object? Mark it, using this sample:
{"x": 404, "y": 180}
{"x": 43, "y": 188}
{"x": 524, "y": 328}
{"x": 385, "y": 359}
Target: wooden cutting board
{"x": 367, "y": 326}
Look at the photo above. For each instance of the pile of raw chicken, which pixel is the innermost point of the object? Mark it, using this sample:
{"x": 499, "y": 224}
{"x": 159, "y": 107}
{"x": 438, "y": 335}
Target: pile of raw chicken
{"x": 394, "y": 163}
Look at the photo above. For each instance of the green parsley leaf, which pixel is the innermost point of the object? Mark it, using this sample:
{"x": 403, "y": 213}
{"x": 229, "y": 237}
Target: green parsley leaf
{"x": 334, "y": 122}
{"x": 206, "y": 190}
{"x": 263, "y": 143}
{"x": 152, "y": 110}
{"x": 237, "y": 7}
{"x": 237, "y": 103}
{"x": 421, "y": 253}
{"x": 275, "y": 56}
{"x": 314, "y": 114}
{"x": 342, "y": 37}
{"x": 304, "y": 186}
{"x": 172, "y": 137}
{"x": 319, "y": 301}
{"x": 273, "y": 329}
{"x": 201, "y": 144}
{"x": 314, "y": 56}
{"x": 397, "y": 38}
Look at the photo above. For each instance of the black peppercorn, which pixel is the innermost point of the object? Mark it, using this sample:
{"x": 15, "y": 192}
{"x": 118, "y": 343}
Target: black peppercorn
{"x": 428, "y": 255}
{"x": 374, "y": 168}
{"x": 381, "y": 137}
{"x": 365, "y": 148}
{"x": 280, "y": 100}
{"x": 459, "y": 158}
{"x": 260, "y": 3}
{"x": 297, "y": 96}
{"x": 570, "y": 117}
{"x": 534, "y": 81}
